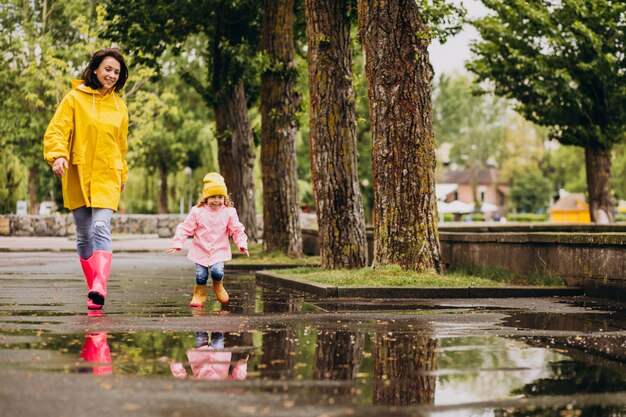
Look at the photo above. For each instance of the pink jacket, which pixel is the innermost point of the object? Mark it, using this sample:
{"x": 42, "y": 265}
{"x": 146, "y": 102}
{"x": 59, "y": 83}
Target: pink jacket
{"x": 208, "y": 363}
{"x": 211, "y": 229}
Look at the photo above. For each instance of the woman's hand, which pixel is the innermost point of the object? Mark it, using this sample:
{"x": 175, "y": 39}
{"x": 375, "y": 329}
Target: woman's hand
{"x": 59, "y": 166}
{"x": 172, "y": 250}
{"x": 244, "y": 250}
{"x": 122, "y": 185}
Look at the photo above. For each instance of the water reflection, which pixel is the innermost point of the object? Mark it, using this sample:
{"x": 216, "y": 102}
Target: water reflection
{"x": 344, "y": 362}
{"x": 97, "y": 353}
{"x": 402, "y": 364}
{"x": 279, "y": 345}
{"x": 338, "y": 357}
{"x": 209, "y": 360}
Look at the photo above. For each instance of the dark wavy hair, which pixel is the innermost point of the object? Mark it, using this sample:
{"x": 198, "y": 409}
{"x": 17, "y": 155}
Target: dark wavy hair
{"x": 89, "y": 76}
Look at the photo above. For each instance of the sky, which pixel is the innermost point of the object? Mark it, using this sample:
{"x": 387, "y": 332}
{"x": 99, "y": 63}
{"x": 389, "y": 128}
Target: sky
{"x": 450, "y": 57}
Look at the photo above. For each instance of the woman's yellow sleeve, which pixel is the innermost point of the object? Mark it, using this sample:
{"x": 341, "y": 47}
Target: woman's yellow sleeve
{"x": 56, "y": 140}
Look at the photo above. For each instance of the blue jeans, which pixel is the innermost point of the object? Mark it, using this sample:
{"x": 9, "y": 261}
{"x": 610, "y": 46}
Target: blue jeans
{"x": 93, "y": 230}
{"x": 202, "y": 273}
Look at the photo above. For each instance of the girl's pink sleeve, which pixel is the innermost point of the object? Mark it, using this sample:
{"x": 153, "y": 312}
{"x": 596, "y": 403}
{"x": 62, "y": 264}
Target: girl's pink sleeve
{"x": 185, "y": 229}
{"x": 178, "y": 370}
{"x": 240, "y": 371}
{"x": 236, "y": 230}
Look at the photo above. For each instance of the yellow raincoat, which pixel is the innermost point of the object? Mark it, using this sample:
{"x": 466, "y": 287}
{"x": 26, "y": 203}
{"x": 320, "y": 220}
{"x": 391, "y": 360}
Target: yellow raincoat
{"x": 89, "y": 130}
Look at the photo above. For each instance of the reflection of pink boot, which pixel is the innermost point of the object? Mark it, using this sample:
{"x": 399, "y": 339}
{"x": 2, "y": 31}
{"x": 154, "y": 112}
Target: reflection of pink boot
{"x": 89, "y": 273}
{"x": 101, "y": 262}
{"x": 96, "y": 349}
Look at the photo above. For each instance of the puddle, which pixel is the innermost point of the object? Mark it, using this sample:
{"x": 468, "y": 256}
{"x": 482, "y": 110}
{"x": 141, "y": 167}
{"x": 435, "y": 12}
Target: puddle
{"x": 316, "y": 365}
{"x": 578, "y": 322}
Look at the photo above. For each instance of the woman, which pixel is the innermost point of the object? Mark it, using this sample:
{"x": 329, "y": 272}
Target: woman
{"x": 85, "y": 144}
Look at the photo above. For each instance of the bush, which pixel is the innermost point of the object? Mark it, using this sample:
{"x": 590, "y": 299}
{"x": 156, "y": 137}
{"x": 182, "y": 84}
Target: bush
{"x": 475, "y": 217}
{"x": 528, "y": 217}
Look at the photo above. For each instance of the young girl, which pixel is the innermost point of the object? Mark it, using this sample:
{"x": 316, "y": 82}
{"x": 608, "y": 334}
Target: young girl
{"x": 211, "y": 222}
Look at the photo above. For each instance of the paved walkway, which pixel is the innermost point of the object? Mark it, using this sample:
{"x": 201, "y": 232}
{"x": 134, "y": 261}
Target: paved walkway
{"x": 121, "y": 243}
{"x": 147, "y": 354}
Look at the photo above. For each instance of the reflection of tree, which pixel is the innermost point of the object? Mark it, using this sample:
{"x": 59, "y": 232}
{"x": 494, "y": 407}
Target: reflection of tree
{"x": 244, "y": 304}
{"x": 338, "y": 356}
{"x": 280, "y": 344}
{"x": 567, "y": 379}
{"x": 399, "y": 364}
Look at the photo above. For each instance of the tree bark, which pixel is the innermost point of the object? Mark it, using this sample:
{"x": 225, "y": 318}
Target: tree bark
{"x": 338, "y": 202}
{"x": 399, "y": 75}
{"x": 236, "y": 153}
{"x": 279, "y": 103}
{"x": 601, "y": 202}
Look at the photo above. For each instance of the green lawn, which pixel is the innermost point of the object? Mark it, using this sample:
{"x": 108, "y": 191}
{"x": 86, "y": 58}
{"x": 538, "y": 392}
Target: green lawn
{"x": 394, "y": 276}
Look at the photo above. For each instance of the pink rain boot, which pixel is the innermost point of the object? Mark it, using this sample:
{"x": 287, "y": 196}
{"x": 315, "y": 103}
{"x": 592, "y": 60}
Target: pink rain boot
{"x": 88, "y": 270}
{"x": 101, "y": 262}
{"x": 96, "y": 350}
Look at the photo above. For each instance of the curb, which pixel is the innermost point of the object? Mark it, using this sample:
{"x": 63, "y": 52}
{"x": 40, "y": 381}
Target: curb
{"x": 331, "y": 291}
{"x": 258, "y": 267}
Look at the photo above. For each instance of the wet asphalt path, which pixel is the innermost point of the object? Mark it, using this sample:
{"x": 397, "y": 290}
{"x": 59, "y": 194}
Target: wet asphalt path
{"x": 146, "y": 354}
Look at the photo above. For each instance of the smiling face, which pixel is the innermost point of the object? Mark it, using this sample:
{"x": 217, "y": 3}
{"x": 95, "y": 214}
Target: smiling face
{"x": 215, "y": 201}
{"x": 108, "y": 72}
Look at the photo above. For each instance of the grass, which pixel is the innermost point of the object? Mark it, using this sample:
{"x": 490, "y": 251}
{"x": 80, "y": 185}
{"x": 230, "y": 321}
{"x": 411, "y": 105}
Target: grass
{"x": 260, "y": 257}
{"x": 394, "y": 276}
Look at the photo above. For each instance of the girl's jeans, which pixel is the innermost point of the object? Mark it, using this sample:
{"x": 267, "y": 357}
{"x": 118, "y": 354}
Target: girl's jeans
{"x": 217, "y": 340}
{"x": 202, "y": 273}
{"x": 93, "y": 230}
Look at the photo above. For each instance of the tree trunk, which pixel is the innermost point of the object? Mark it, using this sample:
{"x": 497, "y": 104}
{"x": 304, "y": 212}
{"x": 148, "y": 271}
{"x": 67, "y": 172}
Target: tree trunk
{"x": 338, "y": 202}
{"x": 279, "y": 103}
{"x": 236, "y": 153}
{"x": 399, "y": 75}
{"x": 162, "y": 197}
{"x": 601, "y": 202}
{"x": 33, "y": 173}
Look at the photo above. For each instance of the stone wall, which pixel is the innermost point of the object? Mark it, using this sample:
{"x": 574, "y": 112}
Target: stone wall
{"x": 594, "y": 261}
{"x": 163, "y": 225}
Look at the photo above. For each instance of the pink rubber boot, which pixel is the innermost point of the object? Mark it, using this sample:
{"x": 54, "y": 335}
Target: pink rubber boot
{"x": 101, "y": 262}
{"x": 89, "y": 273}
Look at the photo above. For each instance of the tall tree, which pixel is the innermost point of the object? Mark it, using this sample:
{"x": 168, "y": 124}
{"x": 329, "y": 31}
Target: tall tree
{"x": 564, "y": 63}
{"x": 42, "y": 46}
{"x": 279, "y": 104}
{"x": 167, "y": 119}
{"x": 395, "y": 41}
{"x": 340, "y": 213}
{"x": 231, "y": 34}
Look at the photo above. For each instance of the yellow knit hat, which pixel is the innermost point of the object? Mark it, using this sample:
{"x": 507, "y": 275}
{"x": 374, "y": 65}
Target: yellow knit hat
{"x": 213, "y": 185}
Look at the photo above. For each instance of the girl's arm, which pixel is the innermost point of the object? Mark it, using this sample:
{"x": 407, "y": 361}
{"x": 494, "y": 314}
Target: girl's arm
{"x": 184, "y": 230}
{"x": 236, "y": 230}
